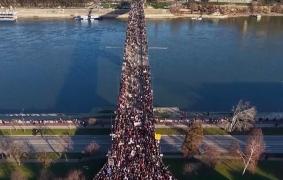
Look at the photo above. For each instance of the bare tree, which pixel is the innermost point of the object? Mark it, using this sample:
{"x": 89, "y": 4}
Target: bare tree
{"x": 44, "y": 159}
{"x": 91, "y": 149}
{"x": 75, "y": 175}
{"x": 67, "y": 145}
{"x": 16, "y": 152}
{"x": 188, "y": 168}
{"x": 191, "y": 168}
{"x": 243, "y": 117}
{"x": 252, "y": 152}
{"x": 211, "y": 155}
{"x": 5, "y": 145}
{"x": 46, "y": 175}
{"x": 192, "y": 140}
{"x": 17, "y": 175}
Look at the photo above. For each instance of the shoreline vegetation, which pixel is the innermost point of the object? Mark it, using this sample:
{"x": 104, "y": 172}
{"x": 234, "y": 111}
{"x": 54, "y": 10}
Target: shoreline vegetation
{"x": 60, "y": 13}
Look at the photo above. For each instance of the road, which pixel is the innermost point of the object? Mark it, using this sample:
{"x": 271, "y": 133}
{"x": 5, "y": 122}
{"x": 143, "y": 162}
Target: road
{"x": 274, "y": 144}
{"x": 107, "y": 125}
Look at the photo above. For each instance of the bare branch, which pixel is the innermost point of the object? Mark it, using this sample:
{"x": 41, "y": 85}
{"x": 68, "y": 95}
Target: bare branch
{"x": 91, "y": 149}
{"x": 253, "y": 150}
{"x": 75, "y": 175}
{"x": 44, "y": 159}
{"x": 211, "y": 155}
{"x": 243, "y": 117}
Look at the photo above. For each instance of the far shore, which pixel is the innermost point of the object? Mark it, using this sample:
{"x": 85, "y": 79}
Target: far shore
{"x": 69, "y": 13}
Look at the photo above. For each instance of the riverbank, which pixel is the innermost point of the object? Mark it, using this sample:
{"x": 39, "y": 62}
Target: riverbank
{"x": 116, "y": 13}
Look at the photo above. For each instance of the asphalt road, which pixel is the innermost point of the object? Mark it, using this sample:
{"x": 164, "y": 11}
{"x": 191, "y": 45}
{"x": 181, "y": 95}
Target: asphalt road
{"x": 274, "y": 144}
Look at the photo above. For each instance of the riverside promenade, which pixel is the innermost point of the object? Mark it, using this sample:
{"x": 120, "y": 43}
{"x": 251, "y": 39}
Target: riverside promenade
{"x": 72, "y": 12}
{"x": 150, "y": 13}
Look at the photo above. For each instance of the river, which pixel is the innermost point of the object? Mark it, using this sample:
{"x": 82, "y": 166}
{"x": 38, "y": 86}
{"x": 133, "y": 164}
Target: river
{"x": 209, "y": 65}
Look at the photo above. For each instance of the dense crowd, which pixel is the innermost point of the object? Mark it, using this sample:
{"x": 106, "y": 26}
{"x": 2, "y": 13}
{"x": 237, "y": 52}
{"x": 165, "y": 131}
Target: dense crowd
{"x": 215, "y": 120}
{"x": 46, "y": 122}
{"x": 134, "y": 153}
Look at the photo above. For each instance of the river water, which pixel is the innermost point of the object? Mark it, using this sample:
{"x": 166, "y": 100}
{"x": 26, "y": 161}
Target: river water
{"x": 65, "y": 66}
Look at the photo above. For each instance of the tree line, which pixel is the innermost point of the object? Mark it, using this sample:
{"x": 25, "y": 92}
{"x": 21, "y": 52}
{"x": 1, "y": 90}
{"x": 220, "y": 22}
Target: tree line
{"x": 45, "y": 3}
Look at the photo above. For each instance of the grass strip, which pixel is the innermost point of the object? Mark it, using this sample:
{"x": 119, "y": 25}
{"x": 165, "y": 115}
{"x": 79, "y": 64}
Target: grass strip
{"x": 225, "y": 169}
{"x": 106, "y": 131}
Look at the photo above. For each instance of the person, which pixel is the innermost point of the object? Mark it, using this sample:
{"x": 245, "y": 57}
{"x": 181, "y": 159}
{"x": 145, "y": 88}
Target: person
{"x": 134, "y": 150}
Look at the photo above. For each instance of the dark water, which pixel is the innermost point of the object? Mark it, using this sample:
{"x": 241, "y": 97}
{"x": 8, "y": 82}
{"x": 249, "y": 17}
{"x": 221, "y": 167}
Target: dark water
{"x": 63, "y": 66}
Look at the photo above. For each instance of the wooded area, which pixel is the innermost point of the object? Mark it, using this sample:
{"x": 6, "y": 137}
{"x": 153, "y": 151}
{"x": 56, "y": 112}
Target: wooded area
{"x": 45, "y": 3}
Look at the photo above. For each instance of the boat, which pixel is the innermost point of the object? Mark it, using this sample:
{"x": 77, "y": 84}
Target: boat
{"x": 95, "y": 17}
{"x": 8, "y": 16}
{"x": 84, "y": 18}
{"x": 257, "y": 16}
{"x": 197, "y": 18}
{"x": 87, "y": 18}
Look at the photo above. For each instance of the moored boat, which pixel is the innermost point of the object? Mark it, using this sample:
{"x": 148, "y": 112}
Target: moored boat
{"x": 257, "y": 16}
{"x": 88, "y": 18}
{"x": 199, "y": 18}
{"x": 8, "y": 15}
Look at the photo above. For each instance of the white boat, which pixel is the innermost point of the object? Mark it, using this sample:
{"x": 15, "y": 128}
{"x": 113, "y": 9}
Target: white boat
{"x": 88, "y": 18}
{"x": 95, "y": 17}
{"x": 84, "y": 18}
{"x": 258, "y": 16}
{"x": 197, "y": 18}
{"x": 8, "y": 16}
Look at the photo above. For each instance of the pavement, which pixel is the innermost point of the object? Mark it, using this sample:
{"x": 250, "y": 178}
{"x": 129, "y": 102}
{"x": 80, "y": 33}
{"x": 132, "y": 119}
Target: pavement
{"x": 168, "y": 144}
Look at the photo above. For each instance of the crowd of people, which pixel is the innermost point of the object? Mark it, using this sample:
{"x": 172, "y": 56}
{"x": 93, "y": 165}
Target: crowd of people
{"x": 45, "y": 122}
{"x": 134, "y": 152}
{"x": 216, "y": 120}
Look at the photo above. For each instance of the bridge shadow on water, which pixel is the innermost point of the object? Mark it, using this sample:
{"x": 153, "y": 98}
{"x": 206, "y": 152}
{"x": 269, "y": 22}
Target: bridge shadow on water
{"x": 80, "y": 89}
{"x": 81, "y": 92}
